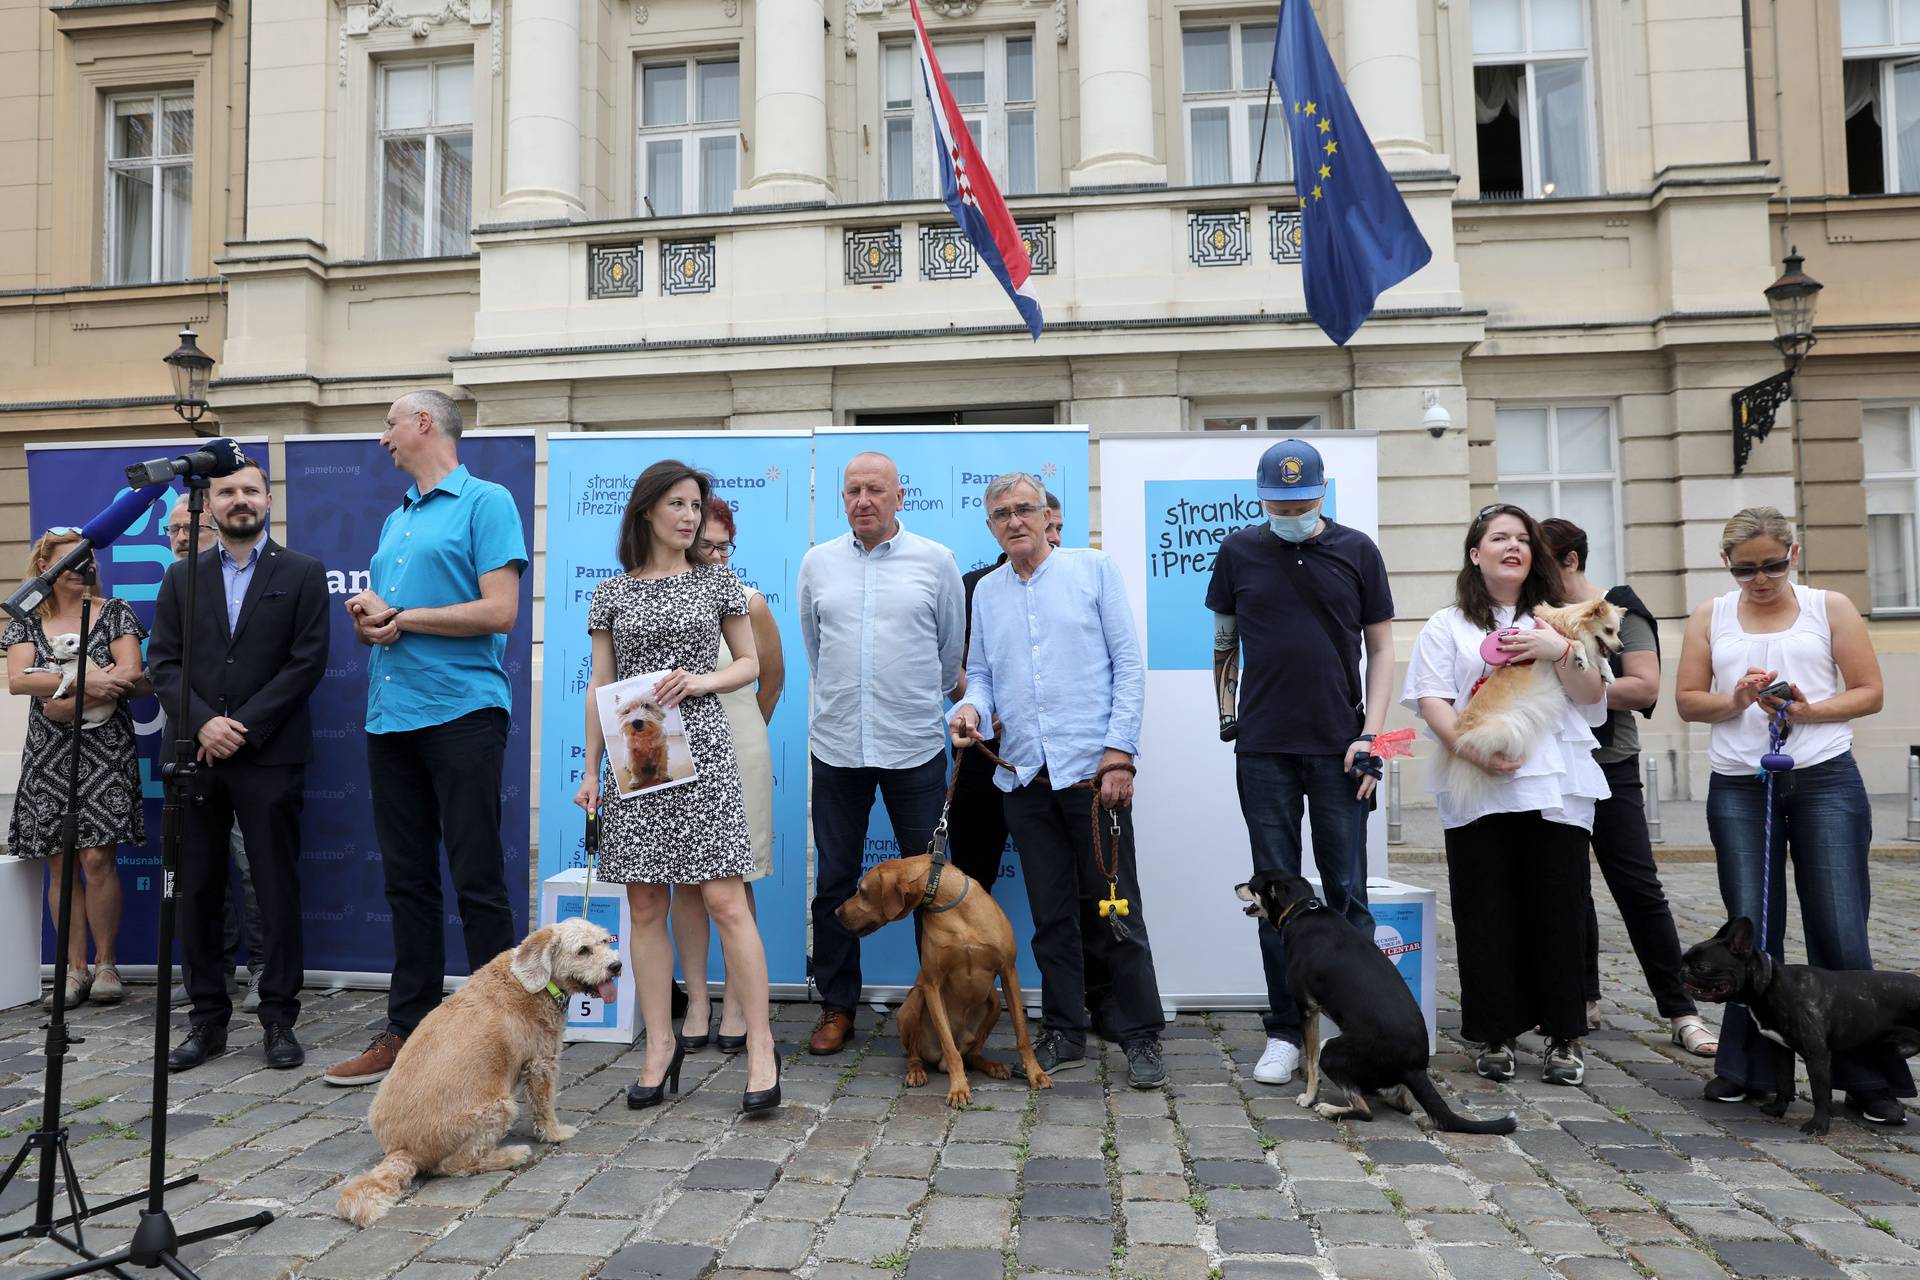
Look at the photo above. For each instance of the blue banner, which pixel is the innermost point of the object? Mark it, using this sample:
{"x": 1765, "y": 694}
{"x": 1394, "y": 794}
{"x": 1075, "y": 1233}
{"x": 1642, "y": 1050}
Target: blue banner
{"x": 945, "y": 472}
{"x": 766, "y": 478}
{"x": 66, "y": 485}
{"x": 339, "y": 491}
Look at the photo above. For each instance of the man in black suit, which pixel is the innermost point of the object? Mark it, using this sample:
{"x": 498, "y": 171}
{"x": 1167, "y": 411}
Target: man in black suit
{"x": 260, "y": 648}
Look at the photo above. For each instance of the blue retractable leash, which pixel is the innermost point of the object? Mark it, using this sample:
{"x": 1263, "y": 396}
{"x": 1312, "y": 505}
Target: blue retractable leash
{"x": 1772, "y": 764}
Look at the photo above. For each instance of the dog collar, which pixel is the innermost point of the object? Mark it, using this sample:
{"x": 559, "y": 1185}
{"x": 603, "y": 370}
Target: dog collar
{"x": 966, "y": 884}
{"x": 1304, "y": 904}
{"x": 559, "y": 996}
{"x": 1766, "y": 975}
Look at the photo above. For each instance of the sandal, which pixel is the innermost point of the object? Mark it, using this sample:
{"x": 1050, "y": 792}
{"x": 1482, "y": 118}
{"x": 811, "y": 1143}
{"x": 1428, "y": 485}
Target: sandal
{"x": 107, "y": 986}
{"x": 1695, "y": 1036}
{"x": 79, "y": 983}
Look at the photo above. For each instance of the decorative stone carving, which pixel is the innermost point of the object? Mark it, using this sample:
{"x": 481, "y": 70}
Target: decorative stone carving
{"x": 857, "y": 9}
{"x": 640, "y": 15}
{"x": 365, "y": 19}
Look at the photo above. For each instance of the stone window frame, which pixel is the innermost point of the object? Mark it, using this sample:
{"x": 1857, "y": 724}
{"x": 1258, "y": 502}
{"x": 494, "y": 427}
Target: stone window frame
{"x": 993, "y": 140}
{"x": 1553, "y": 477}
{"x": 354, "y": 218}
{"x": 689, "y": 131}
{"x": 156, "y": 163}
{"x": 433, "y": 133}
{"x": 1893, "y": 480}
{"x": 1277, "y": 165}
{"x": 1527, "y": 56}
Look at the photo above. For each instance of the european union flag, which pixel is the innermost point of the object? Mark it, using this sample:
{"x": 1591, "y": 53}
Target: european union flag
{"x": 1357, "y": 238}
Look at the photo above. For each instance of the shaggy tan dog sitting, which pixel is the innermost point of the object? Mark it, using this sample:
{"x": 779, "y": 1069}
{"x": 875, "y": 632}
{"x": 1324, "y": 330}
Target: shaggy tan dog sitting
{"x": 449, "y": 1098}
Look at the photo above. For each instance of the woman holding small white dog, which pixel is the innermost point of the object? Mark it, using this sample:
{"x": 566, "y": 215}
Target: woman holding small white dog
{"x": 1517, "y": 846}
{"x": 668, "y": 611}
{"x": 1740, "y": 648}
{"x": 110, "y": 808}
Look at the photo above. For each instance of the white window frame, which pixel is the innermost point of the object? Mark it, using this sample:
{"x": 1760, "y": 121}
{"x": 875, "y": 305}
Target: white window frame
{"x": 688, "y": 132}
{"x": 1240, "y": 140}
{"x": 1554, "y": 477}
{"x": 156, "y": 163}
{"x": 1901, "y": 41}
{"x": 1886, "y": 61}
{"x": 1264, "y": 416}
{"x": 1527, "y": 57}
{"x": 990, "y": 118}
{"x": 1911, "y": 478}
{"x": 430, "y": 246}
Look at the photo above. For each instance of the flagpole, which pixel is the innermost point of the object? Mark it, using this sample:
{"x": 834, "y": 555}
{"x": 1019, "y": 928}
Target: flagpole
{"x": 1266, "y": 114}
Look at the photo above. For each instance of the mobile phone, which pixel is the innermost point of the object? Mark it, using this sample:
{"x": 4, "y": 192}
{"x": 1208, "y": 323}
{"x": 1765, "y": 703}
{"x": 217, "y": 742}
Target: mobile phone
{"x": 1778, "y": 689}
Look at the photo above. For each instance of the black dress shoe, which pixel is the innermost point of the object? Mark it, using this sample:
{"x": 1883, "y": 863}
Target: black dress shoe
{"x": 730, "y": 1044}
{"x": 201, "y": 1043}
{"x": 283, "y": 1050}
{"x": 756, "y": 1100}
{"x": 641, "y": 1096}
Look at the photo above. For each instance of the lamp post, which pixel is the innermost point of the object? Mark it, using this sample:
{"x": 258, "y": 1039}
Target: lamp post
{"x": 1791, "y": 300}
{"x": 190, "y": 367}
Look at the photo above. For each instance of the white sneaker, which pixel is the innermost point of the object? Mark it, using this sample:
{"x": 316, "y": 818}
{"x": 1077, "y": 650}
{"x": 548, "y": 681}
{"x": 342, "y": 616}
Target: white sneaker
{"x": 1277, "y": 1064}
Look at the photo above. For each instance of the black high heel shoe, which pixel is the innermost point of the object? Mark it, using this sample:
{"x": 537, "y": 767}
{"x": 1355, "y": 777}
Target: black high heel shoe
{"x": 693, "y": 1042}
{"x": 756, "y": 1100}
{"x": 730, "y": 1044}
{"x": 641, "y": 1096}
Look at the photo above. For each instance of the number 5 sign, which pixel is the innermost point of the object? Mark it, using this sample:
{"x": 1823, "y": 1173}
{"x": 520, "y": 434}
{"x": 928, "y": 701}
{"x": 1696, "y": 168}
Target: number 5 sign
{"x": 588, "y": 1017}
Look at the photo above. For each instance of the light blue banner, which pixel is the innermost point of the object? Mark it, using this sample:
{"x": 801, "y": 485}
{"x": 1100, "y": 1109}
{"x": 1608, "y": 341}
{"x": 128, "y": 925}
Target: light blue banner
{"x": 766, "y": 478}
{"x": 945, "y": 473}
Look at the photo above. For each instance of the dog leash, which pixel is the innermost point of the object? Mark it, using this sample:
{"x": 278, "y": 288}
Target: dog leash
{"x": 591, "y": 843}
{"x": 1772, "y": 764}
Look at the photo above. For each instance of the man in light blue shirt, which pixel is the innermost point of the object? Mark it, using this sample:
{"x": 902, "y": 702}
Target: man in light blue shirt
{"x": 883, "y": 616}
{"x": 1054, "y": 656}
{"x": 445, "y": 593}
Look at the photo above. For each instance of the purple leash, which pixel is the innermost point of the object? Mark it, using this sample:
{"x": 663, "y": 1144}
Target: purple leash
{"x": 1773, "y": 763}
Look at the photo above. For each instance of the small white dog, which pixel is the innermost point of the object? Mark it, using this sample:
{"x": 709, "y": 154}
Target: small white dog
{"x": 66, "y": 664}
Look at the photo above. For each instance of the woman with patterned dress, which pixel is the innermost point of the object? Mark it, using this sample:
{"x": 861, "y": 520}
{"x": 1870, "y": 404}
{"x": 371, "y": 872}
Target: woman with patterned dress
{"x": 110, "y": 808}
{"x": 668, "y": 611}
{"x": 748, "y": 708}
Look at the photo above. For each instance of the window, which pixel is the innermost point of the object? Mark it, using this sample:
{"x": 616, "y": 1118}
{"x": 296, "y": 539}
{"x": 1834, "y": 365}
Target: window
{"x": 1557, "y": 460}
{"x": 1882, "y": 94}
{"x": 149, "y": 223}
{"x": 1531, "y": 99}
{"x": 689, "y": 136}
{"x": 1223, "y": 94}
{"x": 1291, "y": 423}
{"x": 992, "y": 81}
{"x": 1887, "y": 435}
{"x": 425, "y": 146}
{"x": 1006, "y": 415}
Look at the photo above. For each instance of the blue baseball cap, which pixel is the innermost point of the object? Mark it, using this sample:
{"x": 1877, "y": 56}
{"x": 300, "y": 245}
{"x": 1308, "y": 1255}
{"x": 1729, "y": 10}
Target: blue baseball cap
{"x": 1291, "y": 471}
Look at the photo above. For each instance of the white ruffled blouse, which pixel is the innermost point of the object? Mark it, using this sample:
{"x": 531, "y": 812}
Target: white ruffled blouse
{"x": 1559, "y": 777}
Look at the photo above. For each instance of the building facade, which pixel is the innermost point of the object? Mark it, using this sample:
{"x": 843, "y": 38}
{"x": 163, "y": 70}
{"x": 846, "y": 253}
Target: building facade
{"x": 609, "y": 214}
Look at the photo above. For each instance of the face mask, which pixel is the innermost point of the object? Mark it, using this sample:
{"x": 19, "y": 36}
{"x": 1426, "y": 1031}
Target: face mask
{"x": 1294, "y": 528}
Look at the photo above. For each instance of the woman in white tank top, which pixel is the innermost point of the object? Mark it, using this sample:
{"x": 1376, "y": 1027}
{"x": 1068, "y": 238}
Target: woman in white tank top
{"x": 1772, "y": 629}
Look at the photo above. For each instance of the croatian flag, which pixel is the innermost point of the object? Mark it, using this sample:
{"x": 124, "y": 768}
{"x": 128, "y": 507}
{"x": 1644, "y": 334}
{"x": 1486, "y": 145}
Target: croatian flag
{"x": 969, "y": 189}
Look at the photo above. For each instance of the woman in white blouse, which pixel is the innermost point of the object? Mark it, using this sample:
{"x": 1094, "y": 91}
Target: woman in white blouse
{"x": 1517, "y": 853}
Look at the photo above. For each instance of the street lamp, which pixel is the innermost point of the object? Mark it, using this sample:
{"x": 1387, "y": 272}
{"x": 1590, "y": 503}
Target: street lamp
{"x": 190, "y": 367}
{"x": 1791, "y": 300}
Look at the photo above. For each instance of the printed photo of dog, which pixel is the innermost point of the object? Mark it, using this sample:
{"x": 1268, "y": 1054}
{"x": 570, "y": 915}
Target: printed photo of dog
{"x": 1520, "y": 705}
{"x": 646, "y": 743}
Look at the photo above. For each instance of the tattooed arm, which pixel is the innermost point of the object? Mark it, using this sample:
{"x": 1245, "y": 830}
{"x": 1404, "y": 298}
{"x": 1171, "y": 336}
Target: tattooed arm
{"x": 1226, "y": 673}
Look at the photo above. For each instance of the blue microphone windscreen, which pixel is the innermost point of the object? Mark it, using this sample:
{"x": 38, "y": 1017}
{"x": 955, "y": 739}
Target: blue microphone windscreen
{"x": 120, "y": 514}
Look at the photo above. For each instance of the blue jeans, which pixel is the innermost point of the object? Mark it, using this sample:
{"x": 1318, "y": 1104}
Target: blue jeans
{"x": 1822, "y": 822}
{"x": 1273, "y": 788}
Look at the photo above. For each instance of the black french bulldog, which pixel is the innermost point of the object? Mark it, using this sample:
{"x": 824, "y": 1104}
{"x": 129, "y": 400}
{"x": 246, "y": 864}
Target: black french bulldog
{"x": 1382, "y": 1046}
{"x": 1812, "y": 1012}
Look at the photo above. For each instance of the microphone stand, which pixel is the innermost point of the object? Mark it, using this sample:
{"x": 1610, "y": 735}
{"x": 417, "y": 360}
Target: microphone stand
{"x": 156, "y": 1242}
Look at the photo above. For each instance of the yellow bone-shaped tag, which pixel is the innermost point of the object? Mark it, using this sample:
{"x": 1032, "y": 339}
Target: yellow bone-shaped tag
{"x": 1113, "y": 903}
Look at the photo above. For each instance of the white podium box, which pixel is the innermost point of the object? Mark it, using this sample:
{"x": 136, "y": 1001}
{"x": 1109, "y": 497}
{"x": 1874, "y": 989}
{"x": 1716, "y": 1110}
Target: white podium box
{"x": 1405, "y": 930}
{"x": 589, "y": 1018}
{"x": 20, "y": 898}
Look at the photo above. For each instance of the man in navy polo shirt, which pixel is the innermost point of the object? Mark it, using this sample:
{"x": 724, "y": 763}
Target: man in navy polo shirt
{"x": 1300, "y": 721}
{"x": 446, "y": 591}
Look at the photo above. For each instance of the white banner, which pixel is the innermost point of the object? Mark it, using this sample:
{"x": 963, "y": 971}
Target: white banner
{"x": 1166, "y": 502}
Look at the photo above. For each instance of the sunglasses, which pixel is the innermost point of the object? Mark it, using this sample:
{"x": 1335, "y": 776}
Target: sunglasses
{"x": 1772, "y": 568}
{"x": 1499, "y": 508}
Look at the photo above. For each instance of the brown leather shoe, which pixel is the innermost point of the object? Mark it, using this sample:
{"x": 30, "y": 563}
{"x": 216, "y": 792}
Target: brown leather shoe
{"x": 830, "y": 1033}
{"x": 371, "y": 1066}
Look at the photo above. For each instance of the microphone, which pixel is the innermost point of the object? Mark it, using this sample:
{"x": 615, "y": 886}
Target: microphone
{"x": 103, "y": 529}
{"x": 221, "y": 457}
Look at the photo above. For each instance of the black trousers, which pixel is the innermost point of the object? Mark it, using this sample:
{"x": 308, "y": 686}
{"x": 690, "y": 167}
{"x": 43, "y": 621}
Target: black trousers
{"x": 1625, "y": 855}
{"x": 266, "y": 799}
{"x": 1053, "y": 832}
{"x": 977, "y": 822}
{"x": 1518, "y": 885}
{"x": 441, "y": 783}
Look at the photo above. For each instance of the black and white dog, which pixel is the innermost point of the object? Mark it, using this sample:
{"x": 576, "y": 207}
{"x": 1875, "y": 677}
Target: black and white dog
{"x": 1382, "y": 1045}
{"x": 1812, "y": 1012}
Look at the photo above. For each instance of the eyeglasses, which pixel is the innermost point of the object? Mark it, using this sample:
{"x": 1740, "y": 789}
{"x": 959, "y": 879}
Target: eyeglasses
{"x": 1772, "y": 568}
{"x": 1025, "y": 510}
{"x": 182, "y": 528}
{"x": 724, "y": 548}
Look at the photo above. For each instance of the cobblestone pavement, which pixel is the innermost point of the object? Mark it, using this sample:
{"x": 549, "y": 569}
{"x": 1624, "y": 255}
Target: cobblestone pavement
{"x": 1633, "y": 1173}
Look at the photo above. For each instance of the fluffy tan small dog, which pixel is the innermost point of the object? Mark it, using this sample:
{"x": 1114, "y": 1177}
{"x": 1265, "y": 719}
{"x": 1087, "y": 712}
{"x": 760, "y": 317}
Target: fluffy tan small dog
{"x": 1519, "y": 705}
{"x": 449, "y": 1098}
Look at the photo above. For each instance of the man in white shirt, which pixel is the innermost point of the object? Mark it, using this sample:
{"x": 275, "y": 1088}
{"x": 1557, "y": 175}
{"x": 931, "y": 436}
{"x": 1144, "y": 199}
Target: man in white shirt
{"x": 883, "y": 616}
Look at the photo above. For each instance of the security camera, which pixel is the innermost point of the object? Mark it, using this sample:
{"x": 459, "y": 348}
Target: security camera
{"x": 1436, "y": 420}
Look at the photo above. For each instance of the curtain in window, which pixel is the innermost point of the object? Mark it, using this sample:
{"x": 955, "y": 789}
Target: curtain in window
{"x": 1861, "y": 81}
{"x": 1559, "y": 90}
{"x": 1906, "y": 124}
{"x": 1496, "y": 89}
{"x": 454, "y": 159}
{"x": 176, "y": 221}
{"x": 1211, "y": 143}
{"x": 133, "y": 225}
{"x": 719, "y": 174}
{"x": 663, "y": 178}
{"x": 403, "y": 198}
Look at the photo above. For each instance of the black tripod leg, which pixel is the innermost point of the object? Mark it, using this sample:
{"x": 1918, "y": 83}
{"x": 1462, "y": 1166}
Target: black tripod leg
{"x": 110, "y": 1264}
{"x": 13, "y": 1166}
{"x": 249, "y": 1223}
{"x": 76, "y": 1198}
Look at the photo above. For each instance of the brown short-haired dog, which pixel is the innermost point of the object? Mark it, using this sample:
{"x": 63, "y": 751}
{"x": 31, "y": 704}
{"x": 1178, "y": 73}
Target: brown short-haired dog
{"x": 449, "y": 1098}
{"x": 962, "y": 948}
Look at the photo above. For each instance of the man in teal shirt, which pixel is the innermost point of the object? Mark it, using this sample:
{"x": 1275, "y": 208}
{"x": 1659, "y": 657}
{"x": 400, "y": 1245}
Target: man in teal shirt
{"x": 445, "y": 592}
